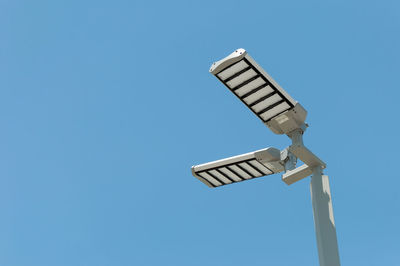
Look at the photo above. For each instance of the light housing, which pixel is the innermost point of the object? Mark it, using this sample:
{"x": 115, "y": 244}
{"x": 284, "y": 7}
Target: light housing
{"x": 259, "y": 92}
{"x": 239, "y": 168}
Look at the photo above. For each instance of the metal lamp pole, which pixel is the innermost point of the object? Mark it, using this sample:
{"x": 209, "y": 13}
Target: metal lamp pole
{"x": 323, "y": 219}
{"x": 321, "y": 198}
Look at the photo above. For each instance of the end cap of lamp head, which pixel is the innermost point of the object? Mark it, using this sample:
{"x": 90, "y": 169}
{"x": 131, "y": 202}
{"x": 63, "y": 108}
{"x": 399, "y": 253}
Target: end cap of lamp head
{"x": 288, "y": 121}
{"x": 200, "y": 178}
{"x": 234, "y": 57}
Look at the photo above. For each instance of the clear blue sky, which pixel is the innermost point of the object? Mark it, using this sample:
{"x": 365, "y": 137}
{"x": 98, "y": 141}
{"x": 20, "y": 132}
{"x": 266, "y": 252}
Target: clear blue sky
{"x": 105, "y": 105}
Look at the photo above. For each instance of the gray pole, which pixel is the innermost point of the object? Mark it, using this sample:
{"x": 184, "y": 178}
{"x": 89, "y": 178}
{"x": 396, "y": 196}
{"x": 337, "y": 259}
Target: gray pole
{"x": 323, "y": 219}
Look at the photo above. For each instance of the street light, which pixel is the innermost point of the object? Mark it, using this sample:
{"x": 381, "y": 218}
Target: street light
{"x": 239, "y": 168}
{"x": 283, "y": 115}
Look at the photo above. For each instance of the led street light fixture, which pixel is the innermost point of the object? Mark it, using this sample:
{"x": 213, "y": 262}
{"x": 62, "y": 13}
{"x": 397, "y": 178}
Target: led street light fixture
{"x": 259, "y": 92}
{"x": 283, "y": 115}
{"x": 239, "y": 168}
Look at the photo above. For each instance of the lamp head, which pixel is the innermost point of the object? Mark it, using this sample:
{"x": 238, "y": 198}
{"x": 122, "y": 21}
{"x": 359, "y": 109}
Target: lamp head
{"x": 259, "y": 92}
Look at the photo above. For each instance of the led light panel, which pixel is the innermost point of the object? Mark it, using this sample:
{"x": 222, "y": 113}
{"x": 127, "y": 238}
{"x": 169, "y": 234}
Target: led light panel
{"x": 239, "y": 168}
{"x": 252, "y": 85}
